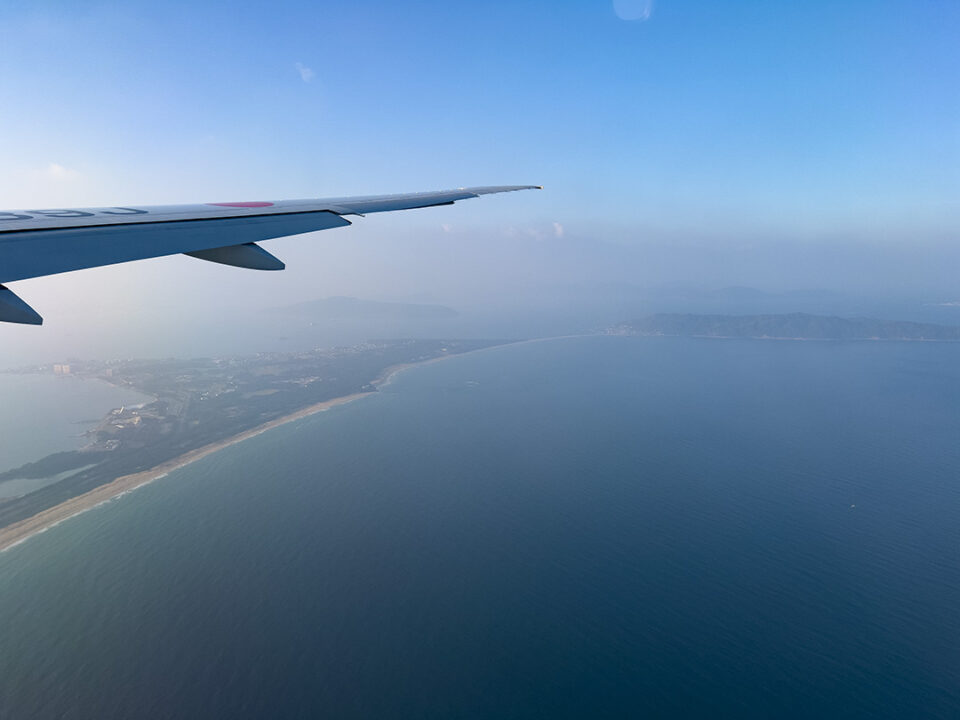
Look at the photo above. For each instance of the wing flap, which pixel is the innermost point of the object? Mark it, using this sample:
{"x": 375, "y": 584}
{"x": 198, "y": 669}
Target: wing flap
{"x": 248, "y": 255}
{"x": 15, "y": 310}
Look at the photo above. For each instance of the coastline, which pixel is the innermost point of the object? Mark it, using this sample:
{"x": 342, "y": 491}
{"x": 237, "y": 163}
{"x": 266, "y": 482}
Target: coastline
{"x": 21, "y": 531}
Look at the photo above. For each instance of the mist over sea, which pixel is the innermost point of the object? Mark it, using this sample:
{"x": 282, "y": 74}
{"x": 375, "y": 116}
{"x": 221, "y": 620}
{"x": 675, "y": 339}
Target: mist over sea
{"x": 268, "y": 325}
{"x": 589, "y": 527}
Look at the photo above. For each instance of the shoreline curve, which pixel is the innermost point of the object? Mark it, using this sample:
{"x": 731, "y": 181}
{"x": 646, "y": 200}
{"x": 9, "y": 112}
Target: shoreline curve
{"x": 21, "y": 531}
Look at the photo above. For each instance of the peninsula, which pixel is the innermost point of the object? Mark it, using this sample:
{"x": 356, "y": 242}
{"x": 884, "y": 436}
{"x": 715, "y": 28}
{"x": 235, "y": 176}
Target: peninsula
{"x": 199, "y": 406}
{"x": 792, "y": 326}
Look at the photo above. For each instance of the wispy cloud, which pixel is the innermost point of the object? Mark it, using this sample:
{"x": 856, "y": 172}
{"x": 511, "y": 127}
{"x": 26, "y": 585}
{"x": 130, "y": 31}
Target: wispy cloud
{"x": 306, "y": 74}
{"x": 557, "y": 230}
{"x": 56, "y": 172}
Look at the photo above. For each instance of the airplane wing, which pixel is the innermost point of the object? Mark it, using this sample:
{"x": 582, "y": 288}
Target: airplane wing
{"x": 44, "y": 242}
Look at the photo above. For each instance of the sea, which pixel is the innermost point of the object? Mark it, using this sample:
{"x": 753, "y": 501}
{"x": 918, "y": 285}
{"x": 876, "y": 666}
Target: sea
{"x": 597, "y": 527}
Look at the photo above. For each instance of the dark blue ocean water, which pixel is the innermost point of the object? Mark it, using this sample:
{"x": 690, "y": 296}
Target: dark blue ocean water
{"x": 596, "y": 527}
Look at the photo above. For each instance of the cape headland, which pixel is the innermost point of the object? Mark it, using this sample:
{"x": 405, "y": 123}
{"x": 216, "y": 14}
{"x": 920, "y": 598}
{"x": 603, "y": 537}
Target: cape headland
{"x": 790, "y": 326}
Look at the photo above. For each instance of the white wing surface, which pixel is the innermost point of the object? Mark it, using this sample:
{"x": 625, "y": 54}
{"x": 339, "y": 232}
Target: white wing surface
{"x": 44, "y": 242}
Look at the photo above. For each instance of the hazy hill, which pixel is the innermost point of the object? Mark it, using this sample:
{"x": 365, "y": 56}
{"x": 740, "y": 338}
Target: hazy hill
{"x": 793, "y": 325}
{"x": 348, "y": 308}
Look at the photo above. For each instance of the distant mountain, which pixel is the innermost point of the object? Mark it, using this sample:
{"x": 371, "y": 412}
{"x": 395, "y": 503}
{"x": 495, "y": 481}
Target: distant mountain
{"x": 793, "y": 326}
{"x": 348, "y": 308}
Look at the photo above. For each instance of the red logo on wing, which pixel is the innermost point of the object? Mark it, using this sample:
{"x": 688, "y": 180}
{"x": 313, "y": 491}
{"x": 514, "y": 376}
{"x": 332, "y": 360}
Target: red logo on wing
{"x": 243, "y": 204}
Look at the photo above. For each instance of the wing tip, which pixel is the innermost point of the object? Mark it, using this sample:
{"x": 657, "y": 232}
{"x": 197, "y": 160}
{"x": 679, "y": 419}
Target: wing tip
{"x": 492, "y": 189}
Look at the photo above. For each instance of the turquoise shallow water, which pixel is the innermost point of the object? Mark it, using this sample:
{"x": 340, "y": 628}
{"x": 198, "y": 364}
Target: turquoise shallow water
{"x": 607, "y": 527}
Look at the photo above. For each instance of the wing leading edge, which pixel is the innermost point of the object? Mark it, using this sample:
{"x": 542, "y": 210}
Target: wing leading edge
{"x": 34, "y": 243}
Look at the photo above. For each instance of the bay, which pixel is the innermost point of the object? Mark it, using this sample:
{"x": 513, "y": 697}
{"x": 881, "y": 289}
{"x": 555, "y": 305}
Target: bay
{"x": 44, "y": 414}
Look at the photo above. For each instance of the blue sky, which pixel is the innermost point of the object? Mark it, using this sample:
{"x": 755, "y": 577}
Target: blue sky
{"x": 706, "y": 123}
{"x": 809, "y": 112}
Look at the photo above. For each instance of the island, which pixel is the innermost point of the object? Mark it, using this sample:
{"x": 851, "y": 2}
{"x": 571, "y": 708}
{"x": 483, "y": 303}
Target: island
{"x": 791, "y": 326}
{"x": 198, "y": 407}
